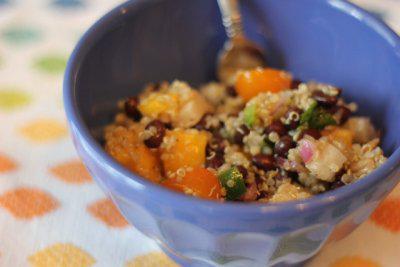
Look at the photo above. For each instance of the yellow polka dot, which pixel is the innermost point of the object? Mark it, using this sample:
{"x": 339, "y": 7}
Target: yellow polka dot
{"x": 354, "y": 261}
{"x": 153, "y": 259}
{"x": 43, "y": 130}
{"x": 62, "y": 255}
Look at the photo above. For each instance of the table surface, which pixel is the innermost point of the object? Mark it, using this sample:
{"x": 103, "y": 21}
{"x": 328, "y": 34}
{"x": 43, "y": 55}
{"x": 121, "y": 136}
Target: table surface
{"x": 51, "y": 212}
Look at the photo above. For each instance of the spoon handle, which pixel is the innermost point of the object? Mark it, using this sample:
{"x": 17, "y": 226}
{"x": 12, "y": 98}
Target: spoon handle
{"x": 231, "y": 17}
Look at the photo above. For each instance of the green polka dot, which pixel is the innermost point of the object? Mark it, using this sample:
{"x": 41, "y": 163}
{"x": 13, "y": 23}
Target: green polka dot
{"x": 11, "y": 99}
{"x": 20, "y": 34}
{"x": 52, "y": 64}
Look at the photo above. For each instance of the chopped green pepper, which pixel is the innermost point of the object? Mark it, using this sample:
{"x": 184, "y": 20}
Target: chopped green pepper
{"x": 306, "y": 116}
{"x": 250, "y": 115}
{"x": 316, "y": 117}
{"x": 233, "y": 182}
{"x": 321, "y": 119}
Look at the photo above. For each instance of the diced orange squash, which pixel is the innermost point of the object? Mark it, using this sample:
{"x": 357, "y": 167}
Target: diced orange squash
{"x": 183, "y": 148}
{"x": 337, "y": 134}
{"x": 145, "y": 163}
{"x": 251, "y": 83}
{"x": 199, "y": 182}
{"x": 125, "y": 146}
{"x": 160, "y": 105}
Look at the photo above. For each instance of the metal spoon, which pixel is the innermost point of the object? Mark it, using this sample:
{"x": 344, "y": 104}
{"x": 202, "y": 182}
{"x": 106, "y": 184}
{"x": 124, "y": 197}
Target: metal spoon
{"x": 238, "y": 52}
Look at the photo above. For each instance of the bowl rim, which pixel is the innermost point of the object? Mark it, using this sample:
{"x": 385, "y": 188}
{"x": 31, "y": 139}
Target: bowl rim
{"x": 129, "y": 179}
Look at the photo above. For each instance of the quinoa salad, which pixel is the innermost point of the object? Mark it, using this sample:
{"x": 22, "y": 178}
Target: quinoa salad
{"x": 267, "y": 138}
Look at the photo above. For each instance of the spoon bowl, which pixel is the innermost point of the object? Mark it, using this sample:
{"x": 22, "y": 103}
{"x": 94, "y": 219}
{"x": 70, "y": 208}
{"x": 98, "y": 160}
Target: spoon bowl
{"x": 238, "y": 52}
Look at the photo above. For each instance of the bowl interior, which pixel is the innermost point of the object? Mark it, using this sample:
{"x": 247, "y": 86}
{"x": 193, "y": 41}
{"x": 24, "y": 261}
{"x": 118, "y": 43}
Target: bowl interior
{"x": 327, "y": 41}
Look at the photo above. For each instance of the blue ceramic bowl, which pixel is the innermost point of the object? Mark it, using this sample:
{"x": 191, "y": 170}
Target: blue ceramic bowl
{"x": 141, "y": 41}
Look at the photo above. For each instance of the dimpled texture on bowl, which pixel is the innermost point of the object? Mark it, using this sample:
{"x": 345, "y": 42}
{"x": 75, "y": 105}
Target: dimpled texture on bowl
{"x": 142, "y": 41}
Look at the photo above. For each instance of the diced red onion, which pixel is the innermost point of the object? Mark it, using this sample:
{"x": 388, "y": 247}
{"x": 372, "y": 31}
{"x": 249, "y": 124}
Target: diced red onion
{"x": 306, "y": 150}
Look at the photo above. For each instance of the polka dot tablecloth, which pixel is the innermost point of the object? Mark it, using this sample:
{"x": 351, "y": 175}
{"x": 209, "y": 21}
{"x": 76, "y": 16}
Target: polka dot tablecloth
{"x": 51, "y": 211}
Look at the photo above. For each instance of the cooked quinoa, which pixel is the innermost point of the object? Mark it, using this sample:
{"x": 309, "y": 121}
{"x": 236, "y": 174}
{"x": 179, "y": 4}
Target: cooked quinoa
{"x": 229, "y": 143}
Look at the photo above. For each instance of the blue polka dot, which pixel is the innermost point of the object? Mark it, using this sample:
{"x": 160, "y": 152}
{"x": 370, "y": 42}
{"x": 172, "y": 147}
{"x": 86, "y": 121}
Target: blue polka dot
{"x": 67, "y": 3}
{"x": 20, "y": 34}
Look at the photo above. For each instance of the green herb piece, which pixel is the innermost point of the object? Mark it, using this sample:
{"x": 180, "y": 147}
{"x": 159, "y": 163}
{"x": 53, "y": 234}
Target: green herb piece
{"x": 233, "y": 182}
{"x": 12, "y": 99}
{"x": 321, "y": 119}
{"x": 306, "y": 116}
{"x": 250, "y": 115}
{"x": 51, "y": 64}
{"x": 316, "y": 117}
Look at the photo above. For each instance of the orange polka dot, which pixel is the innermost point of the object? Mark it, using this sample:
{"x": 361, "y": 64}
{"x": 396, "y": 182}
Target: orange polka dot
{"x": 354, "y": 261}
{"x": 153, "y": 259}
{"x": 395, "y": 192}
{"x": 342, "y": 230}
{"x": 387, "y": 215}
{"x": 106, "y": 211}
{"x": 6, "y": 164}
{"x": 73, "y": 172}
{"x": 66, "y": 255}
{"x": 26, "y": 203}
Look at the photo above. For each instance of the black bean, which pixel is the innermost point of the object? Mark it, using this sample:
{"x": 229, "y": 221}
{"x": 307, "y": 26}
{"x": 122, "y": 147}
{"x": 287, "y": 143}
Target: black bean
{"x": 231, "y": 91}
{"x": 214, "y": 160}
{"x": 264, "y": 162}
{"x": 280, "y": 162}
{"x": 242, "y": 170}
{"x": 324, "y": 99}
{"x": 292, "y": 174}
{"x": 251, "y": 193}
{"x": 344, "y": 114}
{"x": 311, "y": 132}
{"x": 292, "y": 118}
{"x": 277, "y": 127}
{"x": 258, "y": 178}
{"x": 156, "y": 87}
{"x": 202, "y": 124}
{"x": 131, "y": 108}
{"x": 340, "y": 173}
{"x": 295, "y": 83}
{"x": 337, "y": 184}
{"x": 216, "y": 144}
{"x": 215, "y": 151}
{"x": 156, "y": 138}
{"x": 341, "y": 111}
{"x": 283, "y": 145}
{"x": 264, "y": 194}
{"x": 332, "y": 110}
{"x": 168, "y": 125}
{"x": 240, "y": 133}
